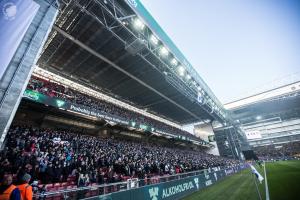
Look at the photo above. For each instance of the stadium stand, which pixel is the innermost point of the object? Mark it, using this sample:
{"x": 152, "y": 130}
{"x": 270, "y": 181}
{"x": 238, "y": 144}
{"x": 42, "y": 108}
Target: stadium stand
{"x": 60, "y": 159}
{"x": 53, "y": 89}
{"x": 116, "y": 50}
{"x": 278, "y": 152}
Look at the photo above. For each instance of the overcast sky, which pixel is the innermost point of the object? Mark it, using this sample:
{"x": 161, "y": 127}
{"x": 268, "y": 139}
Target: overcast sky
{"x": 235, "y": 45}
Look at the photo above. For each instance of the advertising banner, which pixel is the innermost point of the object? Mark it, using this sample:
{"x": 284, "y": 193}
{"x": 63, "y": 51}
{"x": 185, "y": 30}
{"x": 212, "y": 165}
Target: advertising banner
{"x": 15, "y": 18}
{"x": 253, "y": 134}
{"x": 95, "y": 113}
{"x": 61, "y": 104}
{"x": 44, "y": 99}
{"x": 176, "y": 189}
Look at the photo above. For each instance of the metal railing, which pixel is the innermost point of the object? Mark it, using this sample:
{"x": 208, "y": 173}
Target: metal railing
{"x": 97, "y": 190}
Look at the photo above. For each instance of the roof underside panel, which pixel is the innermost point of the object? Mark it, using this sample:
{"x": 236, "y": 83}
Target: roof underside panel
{"x": 73, "y": 61}
{"x": 283, "y": 108}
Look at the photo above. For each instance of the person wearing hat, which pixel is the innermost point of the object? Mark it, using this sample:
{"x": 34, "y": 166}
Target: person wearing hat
{"x": 8, "y": 191}
{"x": 25, "y": 188}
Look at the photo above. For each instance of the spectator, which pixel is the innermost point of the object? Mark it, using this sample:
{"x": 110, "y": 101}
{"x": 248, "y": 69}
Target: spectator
{"x": 25, "y": 188}
{"x": 62, "y": 153}
{"x": 278, "y": 152}
{"x": 8, "y": 191}
{"x": 53, "y": 89}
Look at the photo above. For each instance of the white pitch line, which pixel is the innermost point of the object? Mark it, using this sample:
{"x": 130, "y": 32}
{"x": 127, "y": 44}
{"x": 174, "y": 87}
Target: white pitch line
{"x": 266, "y": 183}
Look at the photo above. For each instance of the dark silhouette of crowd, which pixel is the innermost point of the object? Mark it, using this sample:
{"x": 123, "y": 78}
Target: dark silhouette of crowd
{"x": 279, "y": 151}
{"x": 53, "y": 89}
{"x": 51, "y": 156}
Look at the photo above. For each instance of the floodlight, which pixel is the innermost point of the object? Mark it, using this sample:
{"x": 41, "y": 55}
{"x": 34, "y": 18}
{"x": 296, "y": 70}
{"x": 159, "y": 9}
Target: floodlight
{"x": 188, "y": 77}
{"x": 164, "y": 51}
{"x": 174, "y": 62}
{"x": 124, "y": 23}
{"x": 154, "y": 40}
{"x": 181, "y": 70}
{"x": 139, "y": 24}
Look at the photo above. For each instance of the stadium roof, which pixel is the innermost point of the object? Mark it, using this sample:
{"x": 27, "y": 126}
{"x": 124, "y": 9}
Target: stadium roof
{"x": 283, "y": 102}
{"x": 118, "y": 48}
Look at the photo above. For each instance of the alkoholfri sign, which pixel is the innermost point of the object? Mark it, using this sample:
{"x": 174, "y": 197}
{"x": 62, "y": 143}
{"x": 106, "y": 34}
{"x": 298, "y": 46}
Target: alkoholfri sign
{"x": 173, "y": 189}
{"x": 177, "y": 189}
{"x": 170, "y": 190}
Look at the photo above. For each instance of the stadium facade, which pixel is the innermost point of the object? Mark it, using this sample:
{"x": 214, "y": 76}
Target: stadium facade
{"x": 270, "y": 118}
{"x": 98, "y": 84}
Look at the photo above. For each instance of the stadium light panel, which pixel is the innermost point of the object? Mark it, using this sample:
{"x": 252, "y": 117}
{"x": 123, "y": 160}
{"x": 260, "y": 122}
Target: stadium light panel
{"x": 181, "y": 70}
{"x": 154, "y": 40}
{"x": 164, "y": 51}
{"x": 174, "y": 62}
{"x": 139, "y": 24}
{"x": 124, "y": 23}
{"x": 188, "y": 77}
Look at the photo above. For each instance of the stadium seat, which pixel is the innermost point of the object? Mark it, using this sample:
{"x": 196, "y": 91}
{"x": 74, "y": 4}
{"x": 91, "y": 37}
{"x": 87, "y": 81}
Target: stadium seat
{"x": 49, "y": 186}
{"x": 56, "y": 185}
{"x": 64, "y": 184}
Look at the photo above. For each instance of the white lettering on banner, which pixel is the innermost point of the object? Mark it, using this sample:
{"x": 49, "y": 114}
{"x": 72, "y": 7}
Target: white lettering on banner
{"x": 207, "y": 176}
{"x": 216, "y": 177}
{"x": 253, "y": 134}
{"x": 207, "y": 183}
{"x": 82, "y": 110}
{"x": 229, "y": 171}
{"x": 196, "y": 182}
{"x": 153, "y": 192}
{"x": 177, "y": 189}
{"x": 170, "y": 192}
{"x": 97, "y": 114}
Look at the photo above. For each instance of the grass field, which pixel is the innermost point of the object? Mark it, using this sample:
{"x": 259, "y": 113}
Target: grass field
{"x": 283, "y": 181}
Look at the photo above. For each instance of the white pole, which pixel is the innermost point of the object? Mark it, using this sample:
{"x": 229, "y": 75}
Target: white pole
{"x": 266, "y": 183}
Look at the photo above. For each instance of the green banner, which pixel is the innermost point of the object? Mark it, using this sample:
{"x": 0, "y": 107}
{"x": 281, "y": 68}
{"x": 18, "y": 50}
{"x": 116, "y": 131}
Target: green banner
{"x": 59, "y": 103}
{"x": 170, "y": 190}
{"x": 41, "y": 98}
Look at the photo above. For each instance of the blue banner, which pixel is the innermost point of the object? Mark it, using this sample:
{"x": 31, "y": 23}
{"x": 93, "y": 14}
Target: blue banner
{"x": 15, "y": 18}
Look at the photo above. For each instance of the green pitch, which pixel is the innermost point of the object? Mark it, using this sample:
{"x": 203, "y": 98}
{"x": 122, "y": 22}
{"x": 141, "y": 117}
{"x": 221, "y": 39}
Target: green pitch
{"x": 283, "y": 182}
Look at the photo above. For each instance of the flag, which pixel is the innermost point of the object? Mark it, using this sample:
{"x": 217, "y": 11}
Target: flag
{"x": 256, "y": 173}
{"x": 15, "y": 18}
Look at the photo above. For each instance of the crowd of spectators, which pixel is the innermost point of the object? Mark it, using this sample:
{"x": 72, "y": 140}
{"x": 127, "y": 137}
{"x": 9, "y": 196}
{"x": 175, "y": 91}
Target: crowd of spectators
{"x": 53, "y": 89}
{"x": 51, "y": 156}
{"x": 280, "y": 151}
